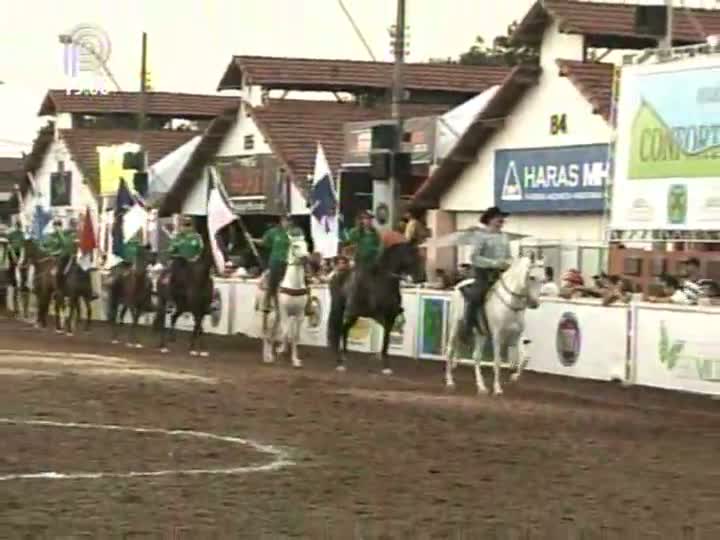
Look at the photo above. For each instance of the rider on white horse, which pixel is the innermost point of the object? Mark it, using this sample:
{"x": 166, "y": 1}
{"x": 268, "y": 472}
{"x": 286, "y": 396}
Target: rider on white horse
{"x": 491, "y": 256}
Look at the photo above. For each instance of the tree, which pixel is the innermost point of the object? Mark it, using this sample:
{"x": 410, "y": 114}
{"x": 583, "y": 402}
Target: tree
{"x": 502, "y": 52}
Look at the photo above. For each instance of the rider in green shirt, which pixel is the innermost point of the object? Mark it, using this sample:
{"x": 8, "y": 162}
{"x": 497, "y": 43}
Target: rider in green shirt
{"x": 277, "y": 241}
{"x": 185, "y": 247}
{"x": 16, "y": 244}
{"x": 366, "y": 241}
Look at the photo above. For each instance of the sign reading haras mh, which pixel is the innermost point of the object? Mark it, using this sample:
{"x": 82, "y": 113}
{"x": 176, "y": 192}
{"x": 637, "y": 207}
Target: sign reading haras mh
{"x": 551, "y": 180}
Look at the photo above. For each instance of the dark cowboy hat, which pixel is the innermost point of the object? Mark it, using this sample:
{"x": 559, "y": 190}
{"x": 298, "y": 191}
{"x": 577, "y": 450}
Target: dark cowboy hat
{"x": 492, "y": 213}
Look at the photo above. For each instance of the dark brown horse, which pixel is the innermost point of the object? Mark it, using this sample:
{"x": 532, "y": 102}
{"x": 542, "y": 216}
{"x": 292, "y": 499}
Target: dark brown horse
{"x": 77, "y": 286}
{"x": 373, "y": 293}
{"x": 189, "y": 287}
{"x": 44, "y": 284}
{"x": 130, "y": 290}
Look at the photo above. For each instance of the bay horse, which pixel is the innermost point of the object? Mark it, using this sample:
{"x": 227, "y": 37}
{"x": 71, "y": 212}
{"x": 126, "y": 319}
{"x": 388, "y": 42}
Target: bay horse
{"x": 130, "y": 290}
{"x": 288, "y": 307}
{"x": 517, "y": 289}
{"x": 77, "y": 286}
{"x": 193, "y": 294}
{"x": 44, "y": 283}
{"x": 18, "y": 280}
{"x": 375, "y": 295}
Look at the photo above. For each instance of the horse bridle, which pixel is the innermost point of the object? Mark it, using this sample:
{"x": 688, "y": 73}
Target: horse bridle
{"x": 525, "y": 296}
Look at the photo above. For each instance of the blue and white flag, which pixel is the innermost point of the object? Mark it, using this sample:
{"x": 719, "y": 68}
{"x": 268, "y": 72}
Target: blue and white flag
{"x": 323, "y": 208}
{"x": 41, "y": 223}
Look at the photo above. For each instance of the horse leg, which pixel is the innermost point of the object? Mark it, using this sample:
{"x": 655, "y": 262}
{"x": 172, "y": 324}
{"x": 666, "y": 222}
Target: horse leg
{"x": 294, "y": 334}
{"x": 88, "y": 312}
{"x": 348, "y": 323}
{"x": 478, "y": 357}
{"x": 450, "y": 353}
{"x": 195, "y": 334}
{"x": 59, "y": 309}
{"x": 497, "y": 360}
{"x": 159, "y": 323}
{"x": 173, "y": 321}
{"x": 384, "y": 358}
{"x": 135, "y": 312}
{"x": 523, "y": 357}
{"x": 201, "y": 335}
{"x": 71, "y": 315}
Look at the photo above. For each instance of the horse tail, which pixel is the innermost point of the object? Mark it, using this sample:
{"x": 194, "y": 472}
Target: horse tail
{"x": 335, "y": 319}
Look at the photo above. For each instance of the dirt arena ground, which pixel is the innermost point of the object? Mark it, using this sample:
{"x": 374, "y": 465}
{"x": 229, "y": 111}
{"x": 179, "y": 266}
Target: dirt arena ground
{"x": 235, "y": 449}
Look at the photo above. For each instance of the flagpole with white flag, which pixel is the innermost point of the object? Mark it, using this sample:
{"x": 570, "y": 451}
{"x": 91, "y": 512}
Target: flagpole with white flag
{"x": 219, "y": 215}
{"x": 324, "y": 225}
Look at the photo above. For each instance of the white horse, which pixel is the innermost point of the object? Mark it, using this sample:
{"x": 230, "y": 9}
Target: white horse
{"x": 282, "y": 325}
{"x": 517, "y": 289}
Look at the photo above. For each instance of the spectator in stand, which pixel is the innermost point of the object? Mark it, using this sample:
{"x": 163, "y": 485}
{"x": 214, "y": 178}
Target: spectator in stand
{"x": 442, "y": 280}
{"x": 691, "y": 284}
{"x": 671, "y": 292}
{"x": 549, "y": 287}
{"x": 617, "y": 289}
{"x": 572, "y": 284}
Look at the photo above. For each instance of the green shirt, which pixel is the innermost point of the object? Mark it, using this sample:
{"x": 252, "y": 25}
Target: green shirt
{"x": 16, "y": 239}
{"x": 277, "y": 240}
{"x": 186, "y": 245}
{"x": 55, "y": 243}
{"x": 367, "y": 244}
{"x": 130, "y": 250}
{"x": 71, "y": 242}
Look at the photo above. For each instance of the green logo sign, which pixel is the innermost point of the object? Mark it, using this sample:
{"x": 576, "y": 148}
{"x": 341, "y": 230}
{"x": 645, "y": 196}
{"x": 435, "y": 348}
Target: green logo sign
{"x": 677, "y": 202}
{"x": 673, "y": 356}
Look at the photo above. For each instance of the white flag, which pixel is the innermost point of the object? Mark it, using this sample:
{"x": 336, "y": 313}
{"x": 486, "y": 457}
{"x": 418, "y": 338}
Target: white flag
{"x": 219, "y": 215}
{"x": 134, "y": 220}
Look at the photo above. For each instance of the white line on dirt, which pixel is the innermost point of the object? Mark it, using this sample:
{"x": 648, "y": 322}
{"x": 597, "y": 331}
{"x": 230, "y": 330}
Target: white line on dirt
{"x": 280, "y": 459}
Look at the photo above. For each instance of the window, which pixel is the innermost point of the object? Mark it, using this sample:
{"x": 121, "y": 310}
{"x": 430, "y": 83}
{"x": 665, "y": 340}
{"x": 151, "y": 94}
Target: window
{"x": 249, "y": 142}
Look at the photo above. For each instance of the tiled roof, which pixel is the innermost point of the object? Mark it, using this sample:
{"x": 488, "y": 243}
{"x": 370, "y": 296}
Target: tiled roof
{"x": 157, "y": 103}
{"x": 34, "y": 159}
{"x": 204, "y": 153}
{"x": 294, "y": 127}
{"x": 611, "y": 19}
{"x": 82, "y": 145}
{"x": 354, "y": 75}
{"x": 593, "y": 80}
{"x": 10, "y": 164}
{"x": 477, "y": 135}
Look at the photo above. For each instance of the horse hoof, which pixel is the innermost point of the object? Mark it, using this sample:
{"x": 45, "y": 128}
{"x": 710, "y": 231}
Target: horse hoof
{"x": 514, "y": 377}
{"x": 138, "y": 346}
{"x": 193, "y": 353}
{"x": 115, "y": 342}
{"x": 297, "y": 364}
{"x": 498, "y": 392}
{"x": 69, "y": 334}
{"x": 387, "y": 371}
{"x": 341, "y": 369}
{"x": 164, "y": 350}
{"x": 450, "y": 386}
{"x": 58, "y": 332}
{"x": 130, "y": 345}
{"x": 482, "y": 392}
{"x": 204, "y": 354}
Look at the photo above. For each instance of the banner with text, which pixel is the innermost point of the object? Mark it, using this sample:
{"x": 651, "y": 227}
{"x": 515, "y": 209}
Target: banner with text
{"x": 557, "y": 179}
{"x": 668, "y": 147}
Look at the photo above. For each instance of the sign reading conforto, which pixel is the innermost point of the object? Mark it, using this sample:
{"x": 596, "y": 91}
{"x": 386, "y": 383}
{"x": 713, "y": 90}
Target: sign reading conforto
{"x": 556, "y": 179}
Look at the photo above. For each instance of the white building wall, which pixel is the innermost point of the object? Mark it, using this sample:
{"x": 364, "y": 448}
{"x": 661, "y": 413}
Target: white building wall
{"x": 234, "y": 143}
{"x": 529, "y": 127}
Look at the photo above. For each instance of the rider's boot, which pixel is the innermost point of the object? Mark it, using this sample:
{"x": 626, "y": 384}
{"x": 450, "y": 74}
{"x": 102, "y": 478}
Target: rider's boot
{"x": 469, "y": 318}
{"x": 308, "y": 306}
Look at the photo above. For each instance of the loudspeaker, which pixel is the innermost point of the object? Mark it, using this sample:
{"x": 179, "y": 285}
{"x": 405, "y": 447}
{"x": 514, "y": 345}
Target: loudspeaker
{"x": 133, "y": 160}
{"x": 380, "y": 166}
{"x": 651, "y": 20}
{"x": 140, "y": 183}
{"x": 383, "y": 137}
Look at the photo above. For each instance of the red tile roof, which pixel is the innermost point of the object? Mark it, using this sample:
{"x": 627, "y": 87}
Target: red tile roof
{"x": 83, "y": 143}
{"x": 157, "y": 103}
{"x": 294, "y": 127}
{"x": 354, "y": 75}
{"x": 593, "y": 80}
{"x": 512, "y": 90}
{"x": 204, "y": 153}
{"x": 610, "y": 19}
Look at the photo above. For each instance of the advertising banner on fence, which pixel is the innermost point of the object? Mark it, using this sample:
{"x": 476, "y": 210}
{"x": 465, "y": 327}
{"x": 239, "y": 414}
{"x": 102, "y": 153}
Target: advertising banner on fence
{"x": 676, "y": 351}
{"x": 668, "y": 147}
{"x": 433, "y": 326}
{"x": 557, "y": 179}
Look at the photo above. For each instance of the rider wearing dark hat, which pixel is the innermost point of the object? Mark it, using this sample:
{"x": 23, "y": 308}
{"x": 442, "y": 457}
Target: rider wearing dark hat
{"x": 490, "y": 258}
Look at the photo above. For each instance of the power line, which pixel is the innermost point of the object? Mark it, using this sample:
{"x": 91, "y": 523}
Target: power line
{"x": 357, "y": 30}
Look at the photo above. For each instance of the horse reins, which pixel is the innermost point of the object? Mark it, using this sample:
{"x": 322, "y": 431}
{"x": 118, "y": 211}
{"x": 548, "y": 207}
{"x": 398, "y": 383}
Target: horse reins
{"x": 523, "y": 296}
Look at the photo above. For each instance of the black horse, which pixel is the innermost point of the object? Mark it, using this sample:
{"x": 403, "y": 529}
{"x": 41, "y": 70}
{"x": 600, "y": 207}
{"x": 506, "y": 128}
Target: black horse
{"x": 131, "y": 289}
{"x": 373, "y": 293}
{"x": 189, "y": 287}
{"x": 44, "y": 283}
{"x": 76, "y": 286}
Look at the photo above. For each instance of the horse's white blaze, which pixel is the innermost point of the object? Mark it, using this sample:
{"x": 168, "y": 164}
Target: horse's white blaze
{"x": 505, "y": 304}
{"x": 283, "y": 325}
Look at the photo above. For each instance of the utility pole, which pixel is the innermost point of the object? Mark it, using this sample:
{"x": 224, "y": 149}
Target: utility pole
{"x": 398, "y": 95}
{"x": 143, "y": 89}
{"x": 668, "y": 41}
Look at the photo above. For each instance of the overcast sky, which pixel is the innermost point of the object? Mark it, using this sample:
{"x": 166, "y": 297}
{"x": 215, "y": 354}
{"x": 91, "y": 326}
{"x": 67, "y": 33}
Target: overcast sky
{"x": 190, "y": 42}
